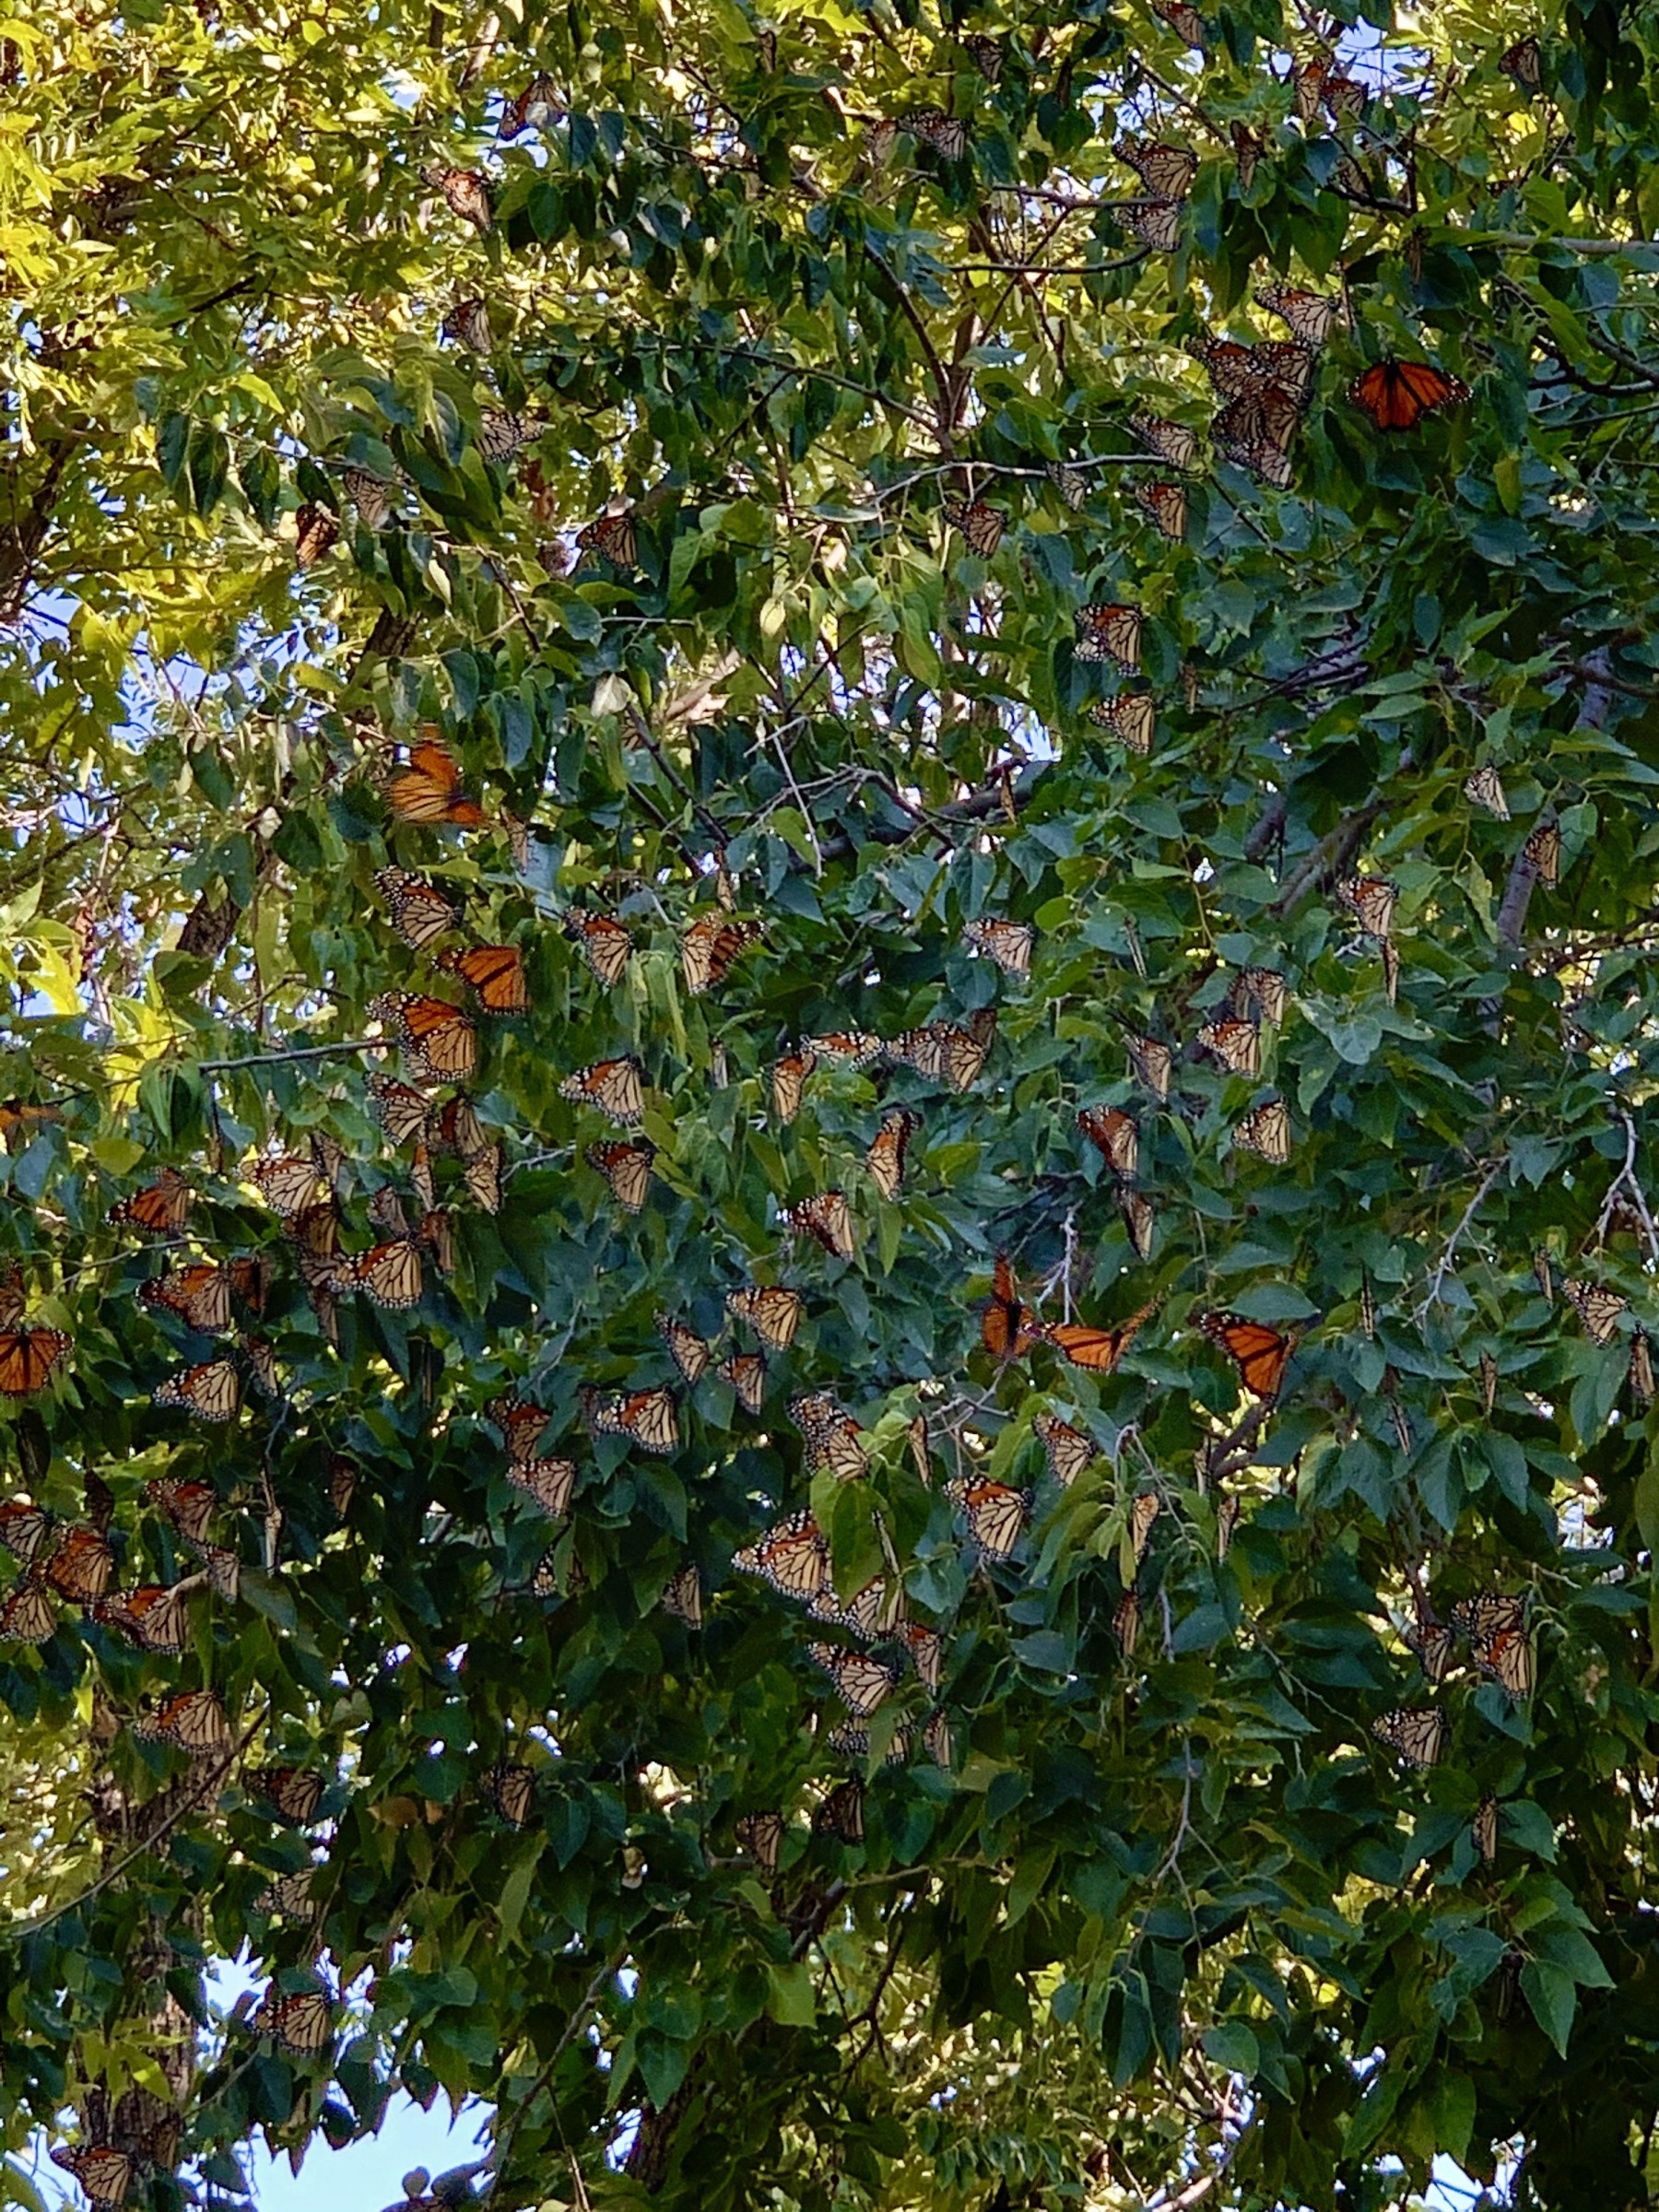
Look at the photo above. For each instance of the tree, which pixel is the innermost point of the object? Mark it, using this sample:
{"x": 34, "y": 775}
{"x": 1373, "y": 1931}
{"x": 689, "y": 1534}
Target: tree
{"x": 829, "y": 920}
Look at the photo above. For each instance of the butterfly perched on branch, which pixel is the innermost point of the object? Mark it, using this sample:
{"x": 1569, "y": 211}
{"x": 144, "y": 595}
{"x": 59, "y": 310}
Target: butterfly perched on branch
{"x": 1397, "y": 394}
{"x": 1260, "y": 1353}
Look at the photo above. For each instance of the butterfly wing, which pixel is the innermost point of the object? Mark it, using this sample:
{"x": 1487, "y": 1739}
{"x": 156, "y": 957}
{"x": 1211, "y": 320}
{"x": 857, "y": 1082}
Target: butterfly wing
{"x": 1261, "y": 1354}
{"x": 1099, "y": 1350}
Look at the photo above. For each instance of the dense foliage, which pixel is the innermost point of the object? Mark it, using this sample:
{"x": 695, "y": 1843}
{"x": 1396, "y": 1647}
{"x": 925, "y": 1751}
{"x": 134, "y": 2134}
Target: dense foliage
{"x": 662, "y": 483}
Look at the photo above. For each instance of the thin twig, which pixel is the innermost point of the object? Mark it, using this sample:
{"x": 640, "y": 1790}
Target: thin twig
{"x": 298, "y": 1051}
{"x": 1443, "y": 1266}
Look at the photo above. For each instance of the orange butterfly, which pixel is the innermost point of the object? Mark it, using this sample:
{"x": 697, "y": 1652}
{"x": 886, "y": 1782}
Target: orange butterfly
{"x": 536, "y": 104}
{"x": 606, "y": 945}
{"x": 612, "y": 537}
{"x": 826, "y": 1218}
{"x": 440, "y": 1038}
{"x": 194, "y": 1722}
{"x": 1166, "y": 171}
{"x": 1261, "y": 1354}
{"x": 80, "y": 1567}
{"x": 105, "y": 2174}
{"x": 793, "y": 1556}
{"x": 1098, "y": 1350}
{"x": 1131, "y": 717}
{"x": 1151, "y": 1062}
{"x": 627, "y": 1168}
{"x": 710, "y": 947}
{"x": 1009, "y": 944}
{"x": 314, "y": 531}
{"x": 887, "y": 1154}
{"x": 287, "y": 1180}
{"x": 995, "y": 1515}
{"x": 290, "y": 1792}
{"x": 549, "y": 1481}
{"x": 465, "y": 191}
{"x": 834, "y": 1441}
{"x": 212, "y": 1391}
{"x": 302, "y": 2024}
{"x": 648, "y": 1417}
{"x": 28, "y": 1358}
{"x": 26, "y": 1615}
{"x": 789, "y": 1082}
{"x": 1397, "y": 394}
{"x": 841, "y": 1813}
{"x": 389, "y": 1274}
{"x": 689, "y": 1352}
{"x": 429, "y": 788}
{"x": 1005, "y": 1329}
{"x": 1115, "y": 1136}
{"x": 1235, "y": 1042}
{"x": 852, "y": 1048}
{"x": 495, "y": 972}
{"x": 1111, "y": 633}
{"x": 773, "y": 1313}
{"x": 1172, "y": 442}
{"x": 152, "y": 1616}
{"x": 1167, "y": 505}
{"x": 161, "y": 1209}
{"x": 420, "y": 912}
{"x": 745, "y": 1371}
{"x": 616, "y": 1086}
{"x": 198, "y": 1294}
{"x": 24, "y": 1528}
{"x": 1068, "y": 1450}
{"x": 1156, "y": 223}
{"x": 1309, "y": 314}
{"x": 862, "y": 1684}
{"x": 511, "y": 1791}
{"x": 521, "y": 1425}
{"x": 983, "y": 526}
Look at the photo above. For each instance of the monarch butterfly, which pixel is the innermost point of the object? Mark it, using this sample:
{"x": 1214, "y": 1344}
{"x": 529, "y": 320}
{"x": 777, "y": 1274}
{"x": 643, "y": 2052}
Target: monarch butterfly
{"x": 1254, "y": 433}
{"x": 689, "y": 1352}
{"x": 1111, "y": 633}
{"x": 402, "y": 1112}
{"x": 1397, "y": 394}
{"x": 745, "y": 1371}
{"x": 1485, "y": 786}
{"x": 1156, "y": 223}
{"x": 1488, "y": 1379}
{"x": 1350, "y": 181}
{"x": 429, "y": 788}
{"x": 369, "y": 495}
{"x": 1070, "y": 483}
{"x": 1543, "y": 852}
{"x": 1248, "y": 149}
{"x": 104, "y": 2173}
{"x": 834, "y": 1441}
{"x": 1484, "y": 1830}
{"x": 198, "y": 1295}
{"x": 314, "y": 531}
{"x": 194, "y": 1722}
{"x": 983, "y": 526}
{"x": 924, "y": 1648}
{"x": 1541, "y": 1272}
{"x": 762, "y": 1835}
{"x": 947, "y": 135}
{"x": 943, "y": 1051}
{"x": 26, "y": 1615}
{"x": 1342, "y": 95}
{"x": 212, "y": 1391}
{"x": 1172, "y": 442}
{"x": 1373, "y": 899}
{"x": 160, "y": 1209}
{"x": 627, "y": 1168}
{"x": 1266, "y": 1129}
{"x": 789, "y": 1083}
{"x": 467, "y": 322}
{"x": 538, "y": 103}
{"x": 481, "y": 1172}
{"x": 1007, "y": 1330}
{"x": 917, "y": 1436}
{"x": 152, "y": 1616}
{"x": 420, "y": 912}
{"x": 1167, "y": 505}
{"x": 1151, "y": 1063}
{"x": 189, "y": 1506}
{"x": 1525, "y": 61}
{"x": 1265, "y": 988}
{"x": 291, "y": 1792}
{"x": 1184, "y": 19}
{"x": 24, "y": 1528}
{"x": 289, "y": 1897}
{"x": 606, "y": 945}
{"x": 648, "y": 1417}
{"x": 772, "y": 1311}
{"x": 1009, "y": 944}
{"x": 854, "y": 1048}
{"x": 520, "y": 1423}
{"x": 1308, "y": 81}
{"x": 841, "y": 1813}
{"x": 1236, "y": 369}
{"x": 1599, "y": 1310}
{"x": 1227, "y": 1520}
{"x": 616, "y": 1086}
{"x": 80, "y": 1566}
{"x": 683, "y": 1597}
{"x": 985, "y": 53}
{"x": 874, "y": 1612}
{"x": 1130, "y": 717}
{"x": 287, "y": 1180}
{"x": 709, "y": 949}
{"x": 1260, "y": 1354}
{"x": 1641, "y": 1369}
{"x": 862, "y": 1684}
{"x": 501, "y": 434}
{"x": 1234, "y": 1042}
{"x": 1308, "y": 315}
{"x": 465, "y": 191}
{"x": 18, "y": 1114}
{"x": 1099, "y": 1350}
{"x": 28, "y": 1358}
{"x": 995, "y": 1515}
{"x": 1115, "y": 1136}
{"x": 510, "y": 1789}
{"x": 389, "y": 1274}
{"x": 495, "y": 972}
{"x": 1435, "y": 1644}
{"x": 1416, "y": 1732}
{"x": 1166, "y": 171}
{"x": 613, "y": 538}
{"x": 888, "y": 1149}
{"x": 1126, "y": 1623}
{"x": 302, "y": 2024}
{"x": 438, "y": 1038}
{"x": 1068, "y": 1450}
{"x": 793, "y": 1556}
{"x": 826, "y": 1218}
{"x": 1139, "y": 1220}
